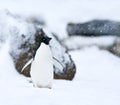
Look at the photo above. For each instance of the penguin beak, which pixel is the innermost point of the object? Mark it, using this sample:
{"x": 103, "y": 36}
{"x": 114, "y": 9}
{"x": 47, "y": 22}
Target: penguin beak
{"x": 49, "y": 38}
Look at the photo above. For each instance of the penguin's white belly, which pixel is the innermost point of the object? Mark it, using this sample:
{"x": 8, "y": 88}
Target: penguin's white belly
{"x": 42, "y": 67}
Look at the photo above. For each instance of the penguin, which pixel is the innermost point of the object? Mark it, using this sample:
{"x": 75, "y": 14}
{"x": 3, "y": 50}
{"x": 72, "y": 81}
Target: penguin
{"x": 41, "y": 70}
{"x": 42, "y": 65}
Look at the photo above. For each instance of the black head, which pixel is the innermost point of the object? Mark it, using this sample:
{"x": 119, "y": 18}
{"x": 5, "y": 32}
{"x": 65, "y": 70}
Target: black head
{"x": 41, "y": 37}
{"x": 46, "y": 39}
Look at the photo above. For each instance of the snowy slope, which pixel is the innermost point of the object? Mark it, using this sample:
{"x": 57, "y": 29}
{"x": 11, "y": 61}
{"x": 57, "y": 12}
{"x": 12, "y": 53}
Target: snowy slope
{"x": 77, "y": 42}
{"x": 98, "y": 71}
{"x": 96, "y": 83}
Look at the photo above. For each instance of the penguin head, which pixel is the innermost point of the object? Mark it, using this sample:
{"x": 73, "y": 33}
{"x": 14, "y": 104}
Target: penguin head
{"x": 46, "y": 39}
{"x": 41, "y": 38}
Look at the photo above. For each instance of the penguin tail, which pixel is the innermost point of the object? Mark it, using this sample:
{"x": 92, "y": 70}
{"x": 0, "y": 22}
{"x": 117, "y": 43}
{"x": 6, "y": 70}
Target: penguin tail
{"x": 28, "y": 63}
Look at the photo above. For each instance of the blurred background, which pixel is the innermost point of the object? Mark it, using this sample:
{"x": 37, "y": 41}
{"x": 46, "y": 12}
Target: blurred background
{"x": 86, "y": 41}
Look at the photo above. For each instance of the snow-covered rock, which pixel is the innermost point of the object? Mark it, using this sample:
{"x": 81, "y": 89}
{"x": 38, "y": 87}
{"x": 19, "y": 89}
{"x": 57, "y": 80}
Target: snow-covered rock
{"x": 105, "y": 34}
{"x": 94, "y": 28}
{"x": 23, "y": 38}
{"x": 59, "y": 52}
{"x": 115, "y": 49}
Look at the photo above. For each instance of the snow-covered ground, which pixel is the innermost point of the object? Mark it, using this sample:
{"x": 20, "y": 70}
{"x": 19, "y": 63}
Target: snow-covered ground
{"x": 98, "y": 72}
{"x": 96, "y": 82}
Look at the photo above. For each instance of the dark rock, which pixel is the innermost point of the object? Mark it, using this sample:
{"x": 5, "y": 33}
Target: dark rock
{"x": 27, "y": 48}
{"x": 60, "y": 53}
{"x": 23, "y": 38}
{"x": 94, "y": 28}
{"x": 68, "y": 73}
{"x": 115, "y": 49}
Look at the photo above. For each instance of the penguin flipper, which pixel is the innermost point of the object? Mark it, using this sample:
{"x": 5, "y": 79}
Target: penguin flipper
{"x": 58, "y": 64}
{"x": 29, "y": 62}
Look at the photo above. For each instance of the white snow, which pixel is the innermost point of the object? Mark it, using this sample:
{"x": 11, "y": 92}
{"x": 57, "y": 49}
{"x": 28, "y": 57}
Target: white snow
{"x": 96, "y": 82}
{"x": 98, "y": 71}
{"x": 77, "y": 42}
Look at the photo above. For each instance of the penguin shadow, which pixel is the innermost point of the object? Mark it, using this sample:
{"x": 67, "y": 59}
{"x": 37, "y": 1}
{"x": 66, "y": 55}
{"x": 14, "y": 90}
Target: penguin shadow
{"x": 40, "y": 86}
{"x": 30, "y": 81}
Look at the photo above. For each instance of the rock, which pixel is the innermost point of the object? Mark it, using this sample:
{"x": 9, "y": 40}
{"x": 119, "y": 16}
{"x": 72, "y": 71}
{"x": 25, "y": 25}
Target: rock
{"x": 27, "y": 49}
{"x": 60, "y": 53}
{"x": 23, "y": 38}
{"x": 94, "y": 28}
{"x": 115, "y": 49}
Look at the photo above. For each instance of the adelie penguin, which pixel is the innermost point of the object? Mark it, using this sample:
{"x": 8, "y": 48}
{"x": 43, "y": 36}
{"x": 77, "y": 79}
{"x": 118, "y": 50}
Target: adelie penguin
{"x": 42, "y": 64}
